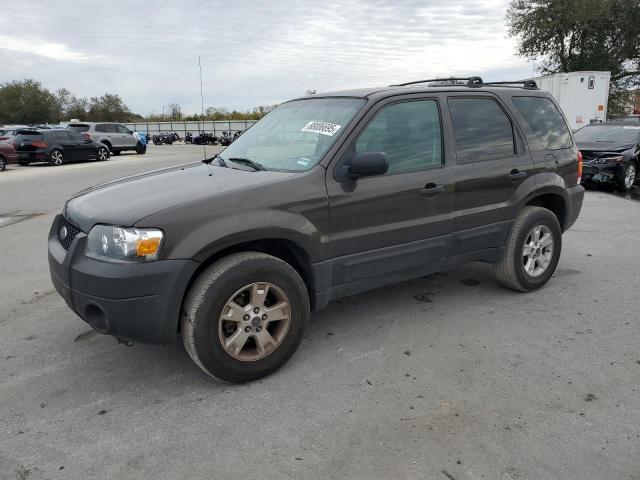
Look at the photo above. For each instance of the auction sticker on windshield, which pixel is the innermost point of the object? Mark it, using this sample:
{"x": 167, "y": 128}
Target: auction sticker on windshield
{"x": 323, "y": 128}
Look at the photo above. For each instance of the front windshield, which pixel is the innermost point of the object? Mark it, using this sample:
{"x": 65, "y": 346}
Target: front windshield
{"x": 295, "y": 135}
{"x": 608, "y": 133}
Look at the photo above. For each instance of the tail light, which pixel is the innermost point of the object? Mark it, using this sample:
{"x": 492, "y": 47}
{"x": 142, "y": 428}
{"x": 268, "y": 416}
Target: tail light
{"x": 87, "y": 136}
{"x": 39, "y": 144}
{"x": 579, "y": 167}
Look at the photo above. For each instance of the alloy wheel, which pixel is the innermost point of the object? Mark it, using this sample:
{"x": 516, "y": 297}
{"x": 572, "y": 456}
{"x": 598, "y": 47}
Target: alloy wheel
{"x": 102, "y": 154}
{"x": 254, "y": 321}
{"x": 537, "y": 251}
{"x": 630, "y": 176}
{"x": 56, "y": 158}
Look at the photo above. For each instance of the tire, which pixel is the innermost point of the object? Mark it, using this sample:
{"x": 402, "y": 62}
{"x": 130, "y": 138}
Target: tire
{"x": 56, "y": 158}
{"x": 203, "y": 329}
{"x": 108, "y": 145}
{"x": 3, "y": 164}
{"x": 141, "y": 149}
{"x": 102, "y": 154}
{"x": 511, "y": 270}
{"x": 628, "y": 177}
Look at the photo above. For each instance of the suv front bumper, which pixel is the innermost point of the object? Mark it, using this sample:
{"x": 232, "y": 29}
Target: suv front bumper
{"x": 133, "y": 301}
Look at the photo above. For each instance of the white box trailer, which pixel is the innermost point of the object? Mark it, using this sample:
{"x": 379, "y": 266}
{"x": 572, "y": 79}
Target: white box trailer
{"x": 581, "y": 95}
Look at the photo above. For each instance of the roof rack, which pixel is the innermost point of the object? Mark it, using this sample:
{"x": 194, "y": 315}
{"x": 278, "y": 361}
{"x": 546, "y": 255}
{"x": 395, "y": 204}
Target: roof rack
{"x": 474, "y": 82}
{"x": 471, "y": 81}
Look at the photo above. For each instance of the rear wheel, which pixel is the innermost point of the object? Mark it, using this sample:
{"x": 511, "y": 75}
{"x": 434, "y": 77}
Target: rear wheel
{"x": 56, "y": 158}
{"x": 3, "y": 164}
{"x": 628, "y": 177}
{"x": 102, "y": 154}
{"x": 532, "y": 251}
{"x": 245, "y": 316}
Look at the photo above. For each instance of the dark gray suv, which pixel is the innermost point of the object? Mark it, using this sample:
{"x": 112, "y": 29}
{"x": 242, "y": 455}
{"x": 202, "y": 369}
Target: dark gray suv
{"x": 327, "y": 196}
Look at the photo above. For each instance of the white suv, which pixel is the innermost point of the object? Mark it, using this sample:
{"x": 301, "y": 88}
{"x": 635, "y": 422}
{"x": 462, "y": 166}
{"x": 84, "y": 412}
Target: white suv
{"x": 115, "y": 136}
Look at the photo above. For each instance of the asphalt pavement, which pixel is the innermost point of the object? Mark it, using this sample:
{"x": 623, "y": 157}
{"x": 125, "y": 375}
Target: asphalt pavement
{"x": 447, "y": 372}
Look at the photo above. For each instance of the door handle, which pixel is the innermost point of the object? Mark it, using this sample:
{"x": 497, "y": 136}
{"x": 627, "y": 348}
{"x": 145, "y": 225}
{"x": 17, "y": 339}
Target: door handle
{"x": 515, "y": 174}
{"x": 431, "y": 189}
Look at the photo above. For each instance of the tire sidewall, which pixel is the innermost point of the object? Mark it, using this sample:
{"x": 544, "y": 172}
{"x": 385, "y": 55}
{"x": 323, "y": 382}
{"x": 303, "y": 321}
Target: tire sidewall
{"x": 539, "y": 217}
{"x": 207, "y": 317}
{"x": 106, "y": 151}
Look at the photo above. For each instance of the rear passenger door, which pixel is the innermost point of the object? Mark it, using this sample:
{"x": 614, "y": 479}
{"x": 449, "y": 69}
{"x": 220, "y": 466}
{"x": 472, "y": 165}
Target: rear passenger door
{"x": 492, "y": 163}
{"x": 84, "y": 148}
{"x": 397, "y": 225}
{"x": 70, "y": 148}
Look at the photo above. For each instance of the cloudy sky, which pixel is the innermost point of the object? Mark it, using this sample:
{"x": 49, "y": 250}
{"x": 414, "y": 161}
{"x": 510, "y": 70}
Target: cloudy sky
{"x": 253, "y": 52}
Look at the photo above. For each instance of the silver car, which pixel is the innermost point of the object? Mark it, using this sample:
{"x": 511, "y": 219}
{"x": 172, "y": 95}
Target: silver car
{"x": 115, "y": 136}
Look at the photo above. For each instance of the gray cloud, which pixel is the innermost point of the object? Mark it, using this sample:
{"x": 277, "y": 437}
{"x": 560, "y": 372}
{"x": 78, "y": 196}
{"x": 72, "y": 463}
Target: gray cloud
{"x": 253, "y": 52}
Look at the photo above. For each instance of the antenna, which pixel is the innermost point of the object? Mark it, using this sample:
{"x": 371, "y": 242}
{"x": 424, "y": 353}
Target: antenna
{"x": 204, "y": 145}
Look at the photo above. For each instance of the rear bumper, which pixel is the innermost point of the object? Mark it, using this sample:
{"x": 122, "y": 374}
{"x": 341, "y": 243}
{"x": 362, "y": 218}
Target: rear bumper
{"x": 575, "y": 197}
{"x": 36, "y": 156}
{"x": 134, "y": 301}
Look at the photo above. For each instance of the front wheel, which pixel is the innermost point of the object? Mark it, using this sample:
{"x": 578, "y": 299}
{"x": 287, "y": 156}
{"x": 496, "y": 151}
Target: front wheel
{"x": 245, "y": 316}
{"x": 628, "y": 177}
{"x": 56, "y": 158}
{"x": 532, "y": 251}
{"x": 140, "y": 148}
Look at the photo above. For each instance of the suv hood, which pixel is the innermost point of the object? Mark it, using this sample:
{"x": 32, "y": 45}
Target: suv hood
{"x": 128, "y": 200}
{"x": 604, "y": 146}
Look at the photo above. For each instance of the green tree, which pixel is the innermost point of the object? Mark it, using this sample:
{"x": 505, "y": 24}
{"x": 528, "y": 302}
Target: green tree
{"x": 573, "y": 35}
{"x": 108, "y": 108}
{"x": 26, "y": 101}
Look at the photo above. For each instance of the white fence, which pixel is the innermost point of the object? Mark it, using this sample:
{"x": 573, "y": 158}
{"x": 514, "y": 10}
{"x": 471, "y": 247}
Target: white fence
{"x": 181, "y": 128}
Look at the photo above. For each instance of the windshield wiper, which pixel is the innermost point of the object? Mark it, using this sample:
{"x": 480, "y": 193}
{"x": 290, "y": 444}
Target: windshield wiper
{"x": 221, "y": 161}
{"x": 249, "y": 163}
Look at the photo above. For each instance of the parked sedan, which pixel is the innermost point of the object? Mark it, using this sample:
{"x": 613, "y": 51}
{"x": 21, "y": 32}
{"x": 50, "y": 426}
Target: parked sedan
{"x": 57, "y": 147}
{"x": 7, "y": 156}
{"x": 611, "y": 153}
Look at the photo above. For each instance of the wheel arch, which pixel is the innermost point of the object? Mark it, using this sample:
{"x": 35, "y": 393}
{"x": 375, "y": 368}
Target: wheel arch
{"x": 286, "y": 249}
{"x": 552, "y": 200}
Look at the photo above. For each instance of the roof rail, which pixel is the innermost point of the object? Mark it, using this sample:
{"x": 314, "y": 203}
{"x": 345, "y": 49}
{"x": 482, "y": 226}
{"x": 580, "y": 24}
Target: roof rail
{"x": 530, "y": 84}
{"x": 473, "y": 82}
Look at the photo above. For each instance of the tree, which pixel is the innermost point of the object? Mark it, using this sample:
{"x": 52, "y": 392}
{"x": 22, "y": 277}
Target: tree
{"x": 173, "y": 112}
{"x": 573, "y": 35}
{"x": 108, "y": 108}
{"x": 27, "y": 102}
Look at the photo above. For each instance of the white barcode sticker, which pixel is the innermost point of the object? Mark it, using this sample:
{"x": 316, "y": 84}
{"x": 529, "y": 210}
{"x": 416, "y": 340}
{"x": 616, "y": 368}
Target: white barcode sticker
{"x": 323, "y": 128}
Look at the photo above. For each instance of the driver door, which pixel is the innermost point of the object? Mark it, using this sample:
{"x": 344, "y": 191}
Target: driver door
{"x": 398, "y": 225}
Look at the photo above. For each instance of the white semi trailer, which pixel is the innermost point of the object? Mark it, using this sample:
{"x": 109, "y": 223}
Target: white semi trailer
{"x": 582, "y": 95}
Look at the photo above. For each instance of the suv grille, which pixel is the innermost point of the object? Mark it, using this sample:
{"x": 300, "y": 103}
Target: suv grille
{"x": 67, "y": 233}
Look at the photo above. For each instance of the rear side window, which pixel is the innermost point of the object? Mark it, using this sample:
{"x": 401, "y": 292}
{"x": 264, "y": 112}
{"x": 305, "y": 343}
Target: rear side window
{"x": 59, "y": 135}
{"x": 408, "y": 133}
{"x": 100, "y": 128}
{"x": 76, "y": 136}
{"x": 545, "y": 120}
{"x": 122, "y": 129}
{"x": 481, "y": 129}
{"x": 78, "y": 127}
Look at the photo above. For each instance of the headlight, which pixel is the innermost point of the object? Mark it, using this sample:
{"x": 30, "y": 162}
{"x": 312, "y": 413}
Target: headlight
{"x": 615, "y": 158}
{"x": 123, "y": 244}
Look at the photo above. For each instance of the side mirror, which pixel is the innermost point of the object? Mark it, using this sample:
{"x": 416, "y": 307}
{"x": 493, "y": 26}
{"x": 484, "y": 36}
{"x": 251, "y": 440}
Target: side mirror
{"x": 368, "y": 164}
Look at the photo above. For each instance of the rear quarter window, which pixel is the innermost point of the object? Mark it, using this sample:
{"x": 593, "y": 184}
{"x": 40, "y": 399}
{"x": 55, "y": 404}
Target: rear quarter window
{"x": 544, "y": 118}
